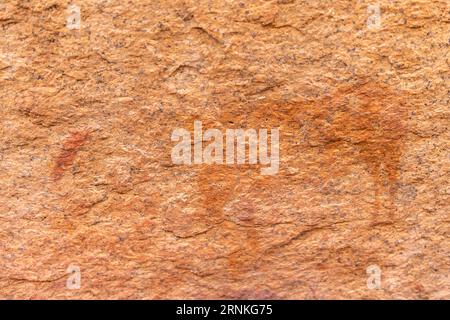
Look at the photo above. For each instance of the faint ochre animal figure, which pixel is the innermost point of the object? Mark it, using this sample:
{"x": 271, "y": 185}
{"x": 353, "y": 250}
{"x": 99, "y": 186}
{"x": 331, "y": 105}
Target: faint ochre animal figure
{"x": 371, "y": 120}
{"x": 362, "y": 124}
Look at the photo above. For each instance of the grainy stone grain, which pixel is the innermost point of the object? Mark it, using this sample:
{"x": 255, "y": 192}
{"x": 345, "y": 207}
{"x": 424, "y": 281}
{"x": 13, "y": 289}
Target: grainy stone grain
{"x": 87, "y": 180}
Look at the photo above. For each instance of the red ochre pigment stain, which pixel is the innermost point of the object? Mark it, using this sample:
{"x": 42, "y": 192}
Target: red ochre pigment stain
{"x": 370, "y": 120}
{"x": 68, "y": 152}
{"x": 362, "y": 124}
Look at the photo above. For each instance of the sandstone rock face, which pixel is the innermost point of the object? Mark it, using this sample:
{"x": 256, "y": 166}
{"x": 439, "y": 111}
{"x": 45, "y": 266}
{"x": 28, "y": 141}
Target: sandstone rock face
{"x": 93, "y": 207}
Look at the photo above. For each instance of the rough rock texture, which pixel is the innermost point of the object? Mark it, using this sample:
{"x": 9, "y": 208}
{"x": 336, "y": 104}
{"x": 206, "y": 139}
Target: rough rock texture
{"x": 86, "y": 176}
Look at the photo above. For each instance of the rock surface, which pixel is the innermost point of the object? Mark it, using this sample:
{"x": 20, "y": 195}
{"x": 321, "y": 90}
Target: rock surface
{"x": 362, "y": 104}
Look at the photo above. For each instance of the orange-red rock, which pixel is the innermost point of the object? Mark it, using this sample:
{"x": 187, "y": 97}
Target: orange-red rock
{"x": 87, "y": 180}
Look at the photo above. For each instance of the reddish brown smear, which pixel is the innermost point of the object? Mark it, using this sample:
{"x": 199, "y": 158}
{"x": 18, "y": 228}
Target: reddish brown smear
{"x": 360, "y": 124}
{"x": 369, "y": 118}
{"x": 68, "y": 152}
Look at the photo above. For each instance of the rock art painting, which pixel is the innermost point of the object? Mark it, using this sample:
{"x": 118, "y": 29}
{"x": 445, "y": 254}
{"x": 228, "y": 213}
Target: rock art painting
{"x": 244, "y": 150}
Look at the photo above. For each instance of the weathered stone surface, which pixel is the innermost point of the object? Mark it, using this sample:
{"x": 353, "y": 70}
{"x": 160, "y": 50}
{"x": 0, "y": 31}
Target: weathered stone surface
{"x": 87, "y": 179}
